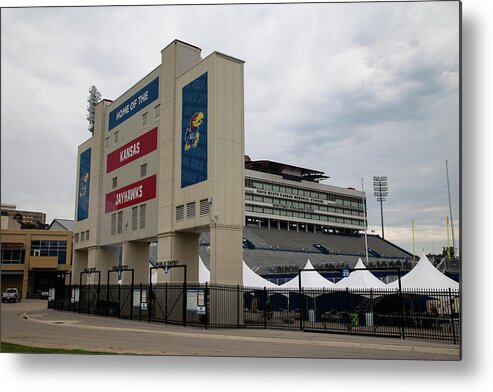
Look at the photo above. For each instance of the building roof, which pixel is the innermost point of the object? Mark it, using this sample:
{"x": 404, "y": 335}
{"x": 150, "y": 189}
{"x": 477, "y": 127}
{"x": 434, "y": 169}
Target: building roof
{"x": 280, "y": 169}
{"x": 68, "y": 224}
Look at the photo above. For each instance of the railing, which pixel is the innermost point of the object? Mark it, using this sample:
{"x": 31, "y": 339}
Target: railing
{"x": 410, "y": 314}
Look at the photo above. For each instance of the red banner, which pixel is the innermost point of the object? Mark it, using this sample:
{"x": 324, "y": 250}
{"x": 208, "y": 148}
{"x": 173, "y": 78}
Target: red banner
{"x": 135, "y": 193}
{"x": 131, "y": 151}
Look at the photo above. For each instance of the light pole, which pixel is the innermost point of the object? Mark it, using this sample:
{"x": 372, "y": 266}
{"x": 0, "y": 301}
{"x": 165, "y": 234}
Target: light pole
{"x": 381, "y": 190}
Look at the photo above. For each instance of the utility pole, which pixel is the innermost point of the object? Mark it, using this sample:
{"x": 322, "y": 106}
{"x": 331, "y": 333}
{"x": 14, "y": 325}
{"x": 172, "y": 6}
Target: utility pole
{"x": 450, "y": 209}
{"x": 366, "y": 222}
{"x": 381, "y": 191}
{"x": 414, "y": 247}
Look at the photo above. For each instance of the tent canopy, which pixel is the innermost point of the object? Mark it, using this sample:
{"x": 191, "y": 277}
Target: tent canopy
{"x": 425, "y": 276}
{"x": 250, "y": 278}
{"x": 309, "y": 280}
{"x": 204, "y": 274}
{"x": 361, "y": 279}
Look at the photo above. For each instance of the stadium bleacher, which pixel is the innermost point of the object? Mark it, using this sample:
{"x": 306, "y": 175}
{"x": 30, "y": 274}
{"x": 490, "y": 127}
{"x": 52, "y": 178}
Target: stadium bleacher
{"x": 281, "y": 252}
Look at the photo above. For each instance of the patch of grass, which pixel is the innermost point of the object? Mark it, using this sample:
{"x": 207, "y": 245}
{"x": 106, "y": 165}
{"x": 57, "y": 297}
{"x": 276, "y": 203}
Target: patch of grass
{"x": 17, "y": 348}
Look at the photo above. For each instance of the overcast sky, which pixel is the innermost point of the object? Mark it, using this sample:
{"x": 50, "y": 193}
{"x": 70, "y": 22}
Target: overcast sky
{"x": 354, "y": 90}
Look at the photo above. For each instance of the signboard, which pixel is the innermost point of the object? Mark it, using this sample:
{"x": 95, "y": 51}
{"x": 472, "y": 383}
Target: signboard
{"x": 132, "y": 105}
{"x": 200, "y": 309}
{"x": 200, "y": 302}
{"x": 140, "y": 298}
{"x": 345, "y": 273}
{"x": 136, "y": 298}
{"x": 194, "y": 119}
{"x": 135, "y": 193}
{"x": 75, "y": 295}
{"x": 84, "y": 185}
{"x": 192, "y": 300}
{"x": 131, "y": 151}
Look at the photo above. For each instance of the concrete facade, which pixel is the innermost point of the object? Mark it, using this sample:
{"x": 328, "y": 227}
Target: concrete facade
{"x": 130, "y": 177}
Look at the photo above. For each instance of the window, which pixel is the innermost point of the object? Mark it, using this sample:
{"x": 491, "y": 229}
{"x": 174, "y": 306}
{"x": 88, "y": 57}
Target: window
{"x": 107, "y": 143}
{"x": 143, "y": 170}
{"x": 51, "y": 248}
{"x": 144, "y": 120}
{"x": 82, "y": 236}
{"x": 134, "y": 218}
{"x": 76, "y": 238}
{"x": 87, "y": 235}
{"x": 116, "y": 137}
{"x": 119, "y": 227}
{"x": 191, "y": 210}
{"x": 113, "y": 224}
{"x": 142, "y": 216}
{"x": 180, "y": 212}
{"x": 157, "y": 112}
{"x": 114, "y": 182}
{"x": 13, "y": 256}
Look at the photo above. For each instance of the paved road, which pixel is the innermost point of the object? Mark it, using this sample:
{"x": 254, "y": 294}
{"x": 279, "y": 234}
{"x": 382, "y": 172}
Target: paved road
{"x": 31, "y": 323}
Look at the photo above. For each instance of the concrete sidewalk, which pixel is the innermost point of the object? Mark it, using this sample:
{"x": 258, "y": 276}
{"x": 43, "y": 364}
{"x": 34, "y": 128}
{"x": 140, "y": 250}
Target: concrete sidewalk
{"x": 32, "y": 324}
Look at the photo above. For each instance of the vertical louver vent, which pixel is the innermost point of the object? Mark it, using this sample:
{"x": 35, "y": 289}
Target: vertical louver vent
{"x": 204, "y": 207}
{"x": 180, "y": 212}
{"x": 191, "y": 210}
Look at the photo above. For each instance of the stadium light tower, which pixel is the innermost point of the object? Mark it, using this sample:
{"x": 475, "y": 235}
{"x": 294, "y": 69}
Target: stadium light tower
{"x": 381, "y": 190}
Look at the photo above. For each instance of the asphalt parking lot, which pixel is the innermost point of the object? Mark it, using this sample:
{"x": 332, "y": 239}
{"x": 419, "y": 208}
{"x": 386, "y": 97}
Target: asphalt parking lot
{"x": 31, "y": 323}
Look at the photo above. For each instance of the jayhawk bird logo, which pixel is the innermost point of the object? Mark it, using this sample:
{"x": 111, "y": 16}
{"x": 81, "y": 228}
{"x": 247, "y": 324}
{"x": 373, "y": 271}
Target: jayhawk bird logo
{"x": 83, "y": 184}
{"x": 192, "y": 134}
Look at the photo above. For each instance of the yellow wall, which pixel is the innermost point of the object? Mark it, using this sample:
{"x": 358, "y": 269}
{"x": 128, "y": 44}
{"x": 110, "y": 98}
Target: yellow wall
{"x": 38, "y": 263}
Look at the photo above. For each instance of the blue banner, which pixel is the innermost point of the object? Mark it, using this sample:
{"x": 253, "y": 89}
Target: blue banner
{"x": 194, "y": 119}
{"x": 84, "y": 183}
{"x": 136, "y": 102}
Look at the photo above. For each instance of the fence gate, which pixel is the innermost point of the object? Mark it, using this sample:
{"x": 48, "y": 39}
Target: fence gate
{"x": 167, "y": 303}
{"x": 89, "y": 299}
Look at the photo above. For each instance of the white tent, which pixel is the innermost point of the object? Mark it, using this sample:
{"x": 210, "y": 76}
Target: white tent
{"x": 204, "y": 274}
{"x": 309, "y": 280}
{"x": 250, "y": 278}
{"x": 425, "y": 276}
{"x": 360, "y": 279}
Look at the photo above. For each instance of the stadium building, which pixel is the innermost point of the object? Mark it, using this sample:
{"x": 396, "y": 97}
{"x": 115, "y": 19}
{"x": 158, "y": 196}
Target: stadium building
{"x": 165, "y": 163}
{"x": 283, "y": 196}
{"x": 291, "y": 216}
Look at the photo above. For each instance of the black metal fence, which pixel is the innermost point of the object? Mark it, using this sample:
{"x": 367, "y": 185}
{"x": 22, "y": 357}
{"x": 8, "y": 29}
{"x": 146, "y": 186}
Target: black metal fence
{"x": 415, "y": 314}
